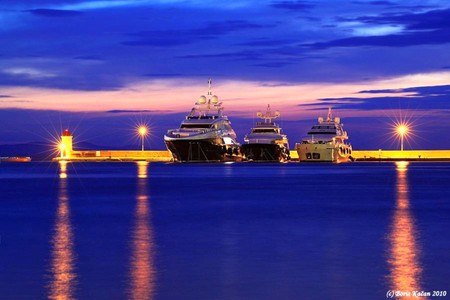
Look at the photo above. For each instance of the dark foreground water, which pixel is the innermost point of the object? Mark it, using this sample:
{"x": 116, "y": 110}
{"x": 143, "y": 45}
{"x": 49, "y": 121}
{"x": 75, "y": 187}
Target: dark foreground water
{"x": 223, "y": 231}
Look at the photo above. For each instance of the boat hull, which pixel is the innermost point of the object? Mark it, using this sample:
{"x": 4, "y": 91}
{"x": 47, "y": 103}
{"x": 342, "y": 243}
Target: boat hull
{"x": 265, "y": 152}
{"x": 208, "y": 150}
{"x": 324, "y": 153}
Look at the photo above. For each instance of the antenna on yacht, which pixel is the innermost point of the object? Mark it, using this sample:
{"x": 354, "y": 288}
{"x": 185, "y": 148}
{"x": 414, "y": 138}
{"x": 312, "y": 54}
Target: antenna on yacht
{"x": 268, "y": 113}
{"x": 209, "y": 87}
{"x": 329, "y": 117}
{"x": 209, "y": 93}
{"x": 268, "y": 116}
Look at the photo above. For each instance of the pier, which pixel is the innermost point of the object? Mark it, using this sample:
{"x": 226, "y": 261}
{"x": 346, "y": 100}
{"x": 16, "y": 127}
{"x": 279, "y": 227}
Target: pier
{"x": 67, "y": 153}
{"x": 118, "y": 155}
{"x": 396, "y": 155}
{"x": 165, "y": 156}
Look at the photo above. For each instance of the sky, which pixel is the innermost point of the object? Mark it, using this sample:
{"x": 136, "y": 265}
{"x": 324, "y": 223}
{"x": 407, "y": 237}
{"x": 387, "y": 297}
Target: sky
{"x": 100, "y": 68}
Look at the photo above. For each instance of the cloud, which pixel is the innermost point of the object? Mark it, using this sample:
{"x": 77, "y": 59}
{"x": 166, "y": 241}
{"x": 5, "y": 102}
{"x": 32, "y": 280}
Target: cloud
{"x": 434, "y": 37}
{"x": 87, "y": 5}
{"x": 384, "y": 3}
{"x": 125, "y": 111}
{"x": 377, "y": 30}
{"x": 267, "y": 42}
{"x": 169, "y": 38}
{"x": 293, "y": 5}
{"x": 417, "y": 98}
{"x": 89, "y": 57}
{"x": 241, "y": 55}
{"x": 15, "y": 101}
{"x": 31, "y": 73}
{"x": 422, "y": 91}
{"x": 394, "y": 30}
{"x": 272, "y": 64}
{"x": 429, "y": 20}
{"x": 45, "y": 12}
{"x": 163, "y": 75}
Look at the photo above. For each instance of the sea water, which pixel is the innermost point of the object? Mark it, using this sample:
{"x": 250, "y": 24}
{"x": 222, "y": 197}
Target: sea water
{"x": 223, "y": 231}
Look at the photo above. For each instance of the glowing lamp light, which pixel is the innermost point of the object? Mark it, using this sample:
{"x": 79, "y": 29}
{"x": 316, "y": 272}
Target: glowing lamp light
{"x": 402, "y": 130}
{"x": 143, "y": 131}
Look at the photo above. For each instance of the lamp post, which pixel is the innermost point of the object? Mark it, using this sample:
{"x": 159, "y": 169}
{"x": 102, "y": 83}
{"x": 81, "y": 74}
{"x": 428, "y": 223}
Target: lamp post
{"x": 142, "y": 132}
{"x": 402, "y": 130}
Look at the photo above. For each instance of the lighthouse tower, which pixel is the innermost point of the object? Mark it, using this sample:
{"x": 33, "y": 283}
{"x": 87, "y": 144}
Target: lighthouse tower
{"x": 66, "y": 147}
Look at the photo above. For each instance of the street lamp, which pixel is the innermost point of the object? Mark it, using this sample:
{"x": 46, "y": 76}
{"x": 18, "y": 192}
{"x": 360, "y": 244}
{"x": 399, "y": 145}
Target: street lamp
{"x": 402, "y": 130}
{"x": 143, "y": 132}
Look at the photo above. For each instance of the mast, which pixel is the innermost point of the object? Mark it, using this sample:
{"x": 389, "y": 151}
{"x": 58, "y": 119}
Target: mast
{"x": 268, "y": 117}
{"x": 209, "y": 87}
{"x": 329, "y": 116}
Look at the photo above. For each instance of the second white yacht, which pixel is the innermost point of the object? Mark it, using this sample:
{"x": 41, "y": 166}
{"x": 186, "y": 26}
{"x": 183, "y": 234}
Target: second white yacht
{"x": 266, "y": 142}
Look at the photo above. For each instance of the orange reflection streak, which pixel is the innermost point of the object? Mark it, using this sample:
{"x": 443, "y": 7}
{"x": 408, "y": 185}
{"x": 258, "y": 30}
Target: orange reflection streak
{"x": 62, "y": 268}
{"x": 142, "y": 269}
{"x": 405, "y": 270}
{"x": 62, "y": 169}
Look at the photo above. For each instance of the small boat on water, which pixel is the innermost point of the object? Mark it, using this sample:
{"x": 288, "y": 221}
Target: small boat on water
{"x": 266, "y": 142}
{"x": 205, "y": 135}
{"x": 325, "y": 142}
{"x": 15, "y": 159}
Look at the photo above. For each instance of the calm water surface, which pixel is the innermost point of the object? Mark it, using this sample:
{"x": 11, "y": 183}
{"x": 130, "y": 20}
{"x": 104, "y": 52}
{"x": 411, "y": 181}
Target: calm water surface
{"x": 223, "y": 231}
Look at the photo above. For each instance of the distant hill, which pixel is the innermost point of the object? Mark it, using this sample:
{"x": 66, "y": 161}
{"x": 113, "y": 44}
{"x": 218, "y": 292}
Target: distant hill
{"x": 40, "y": 151}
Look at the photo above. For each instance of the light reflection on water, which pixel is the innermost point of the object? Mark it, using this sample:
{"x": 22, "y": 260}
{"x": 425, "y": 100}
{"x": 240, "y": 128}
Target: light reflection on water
{"x": 63, "y": 276}
{"x": 405, "y": 270}
{"x": 142, "y": 270}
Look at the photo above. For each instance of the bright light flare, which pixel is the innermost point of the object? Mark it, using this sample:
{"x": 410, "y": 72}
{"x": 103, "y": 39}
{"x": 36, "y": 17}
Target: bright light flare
{"x": 402, "y": 129}
{"x": 143, "y": 130}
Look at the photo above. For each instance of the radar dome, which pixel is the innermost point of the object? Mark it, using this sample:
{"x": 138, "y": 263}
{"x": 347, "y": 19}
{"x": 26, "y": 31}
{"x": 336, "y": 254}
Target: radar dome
{"x": 337, "y": 120}
{"x": 259, "y": 114}
{"x": 277, "y": 114}
{"x": 320, "y": 119}
{"x": 202, "y": 100}
{"x": 214, "y": 99}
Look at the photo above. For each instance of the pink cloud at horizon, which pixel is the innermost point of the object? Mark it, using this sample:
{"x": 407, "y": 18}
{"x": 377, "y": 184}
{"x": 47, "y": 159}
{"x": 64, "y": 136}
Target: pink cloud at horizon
{"x": 240, "y": 98}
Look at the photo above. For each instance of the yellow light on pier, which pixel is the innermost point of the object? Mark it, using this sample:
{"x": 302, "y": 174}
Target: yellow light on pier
{"x": 402, "y": 131}
{"x": 143, "y": 131}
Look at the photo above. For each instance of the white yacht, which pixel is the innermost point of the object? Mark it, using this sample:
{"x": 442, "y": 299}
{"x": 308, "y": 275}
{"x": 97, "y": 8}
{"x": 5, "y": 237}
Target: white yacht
{"x": 266, "y": 142}
{"x": 205, "y": 134}
{"x": 326, "y": 141}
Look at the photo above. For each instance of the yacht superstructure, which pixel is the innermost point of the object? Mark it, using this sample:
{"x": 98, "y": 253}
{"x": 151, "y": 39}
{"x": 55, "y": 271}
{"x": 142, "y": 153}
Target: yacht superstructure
{"x": 325, "y": 142}
{"x": 266, "y": 142}
{"x": 205, "y": 134}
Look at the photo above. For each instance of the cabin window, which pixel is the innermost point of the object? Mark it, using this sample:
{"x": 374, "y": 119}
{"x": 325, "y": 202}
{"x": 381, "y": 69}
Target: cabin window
{"x": 316, "y": 155}
{"x": 195, "y": 126}
{"x": 264, "y": 130}
{"x": 321, "y": 132}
